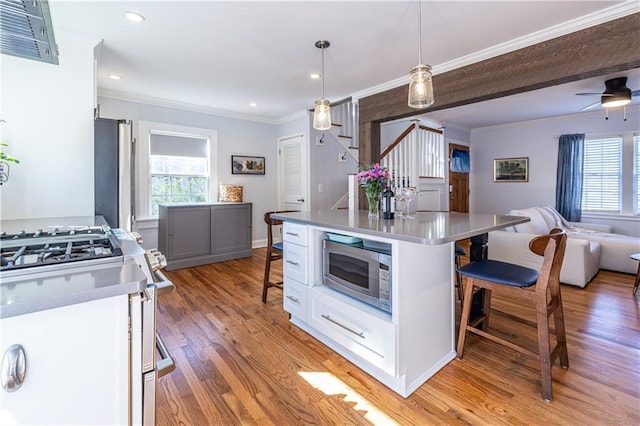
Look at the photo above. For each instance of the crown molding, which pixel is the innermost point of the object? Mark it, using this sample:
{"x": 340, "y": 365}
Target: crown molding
{"x": 619, "y": 10}
{"x": 292, "y": 117}
{"x": 183, "y": 106}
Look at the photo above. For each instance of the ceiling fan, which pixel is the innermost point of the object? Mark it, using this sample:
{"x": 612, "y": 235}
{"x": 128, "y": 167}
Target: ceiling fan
{"x": 616, "y": 93}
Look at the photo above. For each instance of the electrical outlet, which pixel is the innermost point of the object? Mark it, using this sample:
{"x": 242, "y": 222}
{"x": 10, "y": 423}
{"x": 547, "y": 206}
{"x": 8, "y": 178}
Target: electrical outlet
{"x": 320, "y": 187}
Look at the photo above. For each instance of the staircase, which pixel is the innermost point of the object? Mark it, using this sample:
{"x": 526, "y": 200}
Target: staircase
{"x": 419, "y": 153}
{"x": 344, "y": 125}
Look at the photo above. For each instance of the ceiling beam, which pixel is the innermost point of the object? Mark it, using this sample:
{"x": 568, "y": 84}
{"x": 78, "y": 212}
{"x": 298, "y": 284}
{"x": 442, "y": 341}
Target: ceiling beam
{"x": 602, "y": 49}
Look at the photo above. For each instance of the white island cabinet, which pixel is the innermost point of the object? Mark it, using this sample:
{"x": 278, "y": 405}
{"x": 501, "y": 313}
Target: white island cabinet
{"x": 77, "y": 366}
{"x": 405, "y": 347}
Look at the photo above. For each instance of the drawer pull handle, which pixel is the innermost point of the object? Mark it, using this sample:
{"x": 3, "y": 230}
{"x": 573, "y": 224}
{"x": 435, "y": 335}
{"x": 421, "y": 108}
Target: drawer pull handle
{"x": 293, "y": 234}
{"x": 293, "y": 299}
{"x": 293, "y": 263}
{"x": 14, "y": 368}
{"x": 328, "y": 318}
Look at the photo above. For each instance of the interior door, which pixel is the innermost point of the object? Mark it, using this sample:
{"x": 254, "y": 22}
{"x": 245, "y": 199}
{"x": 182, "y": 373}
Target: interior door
{"x": 458, "y": 184}
{"x": 293, "y": 176}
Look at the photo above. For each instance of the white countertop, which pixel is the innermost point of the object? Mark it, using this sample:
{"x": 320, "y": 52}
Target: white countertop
{"x": 423, "y": 228}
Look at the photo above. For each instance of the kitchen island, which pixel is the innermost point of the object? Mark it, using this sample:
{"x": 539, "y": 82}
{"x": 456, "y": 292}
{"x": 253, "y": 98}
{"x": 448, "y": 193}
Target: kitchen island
{"x": 406, "y": 346}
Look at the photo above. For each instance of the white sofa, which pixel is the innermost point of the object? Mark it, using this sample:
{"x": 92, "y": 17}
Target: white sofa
{"x": 589, "y": 246}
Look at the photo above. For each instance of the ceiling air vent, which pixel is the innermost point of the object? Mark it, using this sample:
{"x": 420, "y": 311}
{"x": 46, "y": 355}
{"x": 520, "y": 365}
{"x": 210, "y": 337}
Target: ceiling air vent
{"x": 26, "y": 30}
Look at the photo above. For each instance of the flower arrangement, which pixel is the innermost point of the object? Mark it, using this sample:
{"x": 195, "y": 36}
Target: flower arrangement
{"x": 373, "y": 180}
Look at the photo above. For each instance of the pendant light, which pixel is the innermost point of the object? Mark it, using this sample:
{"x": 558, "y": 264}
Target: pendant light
{"x": 420, "y": 84}
{"x": 322, "y": 111}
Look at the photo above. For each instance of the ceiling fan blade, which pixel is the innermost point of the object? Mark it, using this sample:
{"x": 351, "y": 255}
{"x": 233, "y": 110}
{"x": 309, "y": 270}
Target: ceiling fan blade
{"x": 588, "y": 94}
{"x": 635, "y": 93}
{"x": 590, "y": 106}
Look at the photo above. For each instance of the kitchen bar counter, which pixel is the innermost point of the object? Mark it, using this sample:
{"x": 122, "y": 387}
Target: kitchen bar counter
{"x": 422, "y": 228}
{"x": 404, "y": 347}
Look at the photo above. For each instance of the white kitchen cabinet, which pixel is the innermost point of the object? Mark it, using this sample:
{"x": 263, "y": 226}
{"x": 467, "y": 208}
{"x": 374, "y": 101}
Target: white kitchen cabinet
{"x": 357, "y": 328}
{"x": 77, "y": 367}
{"x": 295, "y": 298}
{"x": 295, "y": 269}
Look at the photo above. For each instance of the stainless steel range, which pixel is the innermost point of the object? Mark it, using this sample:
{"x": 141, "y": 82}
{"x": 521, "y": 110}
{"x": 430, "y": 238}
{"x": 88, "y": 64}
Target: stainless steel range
{"x": 80, "y": 271}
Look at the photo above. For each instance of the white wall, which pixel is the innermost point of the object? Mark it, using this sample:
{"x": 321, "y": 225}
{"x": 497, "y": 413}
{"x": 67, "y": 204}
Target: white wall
{"x": 328, "y": 175}
{"x": 235, "y": 136}
{"x": 538, "y": 140}
{"x": 49, "y": 127}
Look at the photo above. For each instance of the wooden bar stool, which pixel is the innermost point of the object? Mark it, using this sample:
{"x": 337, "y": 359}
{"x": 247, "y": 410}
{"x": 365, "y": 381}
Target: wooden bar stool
{"x": 274, "y": 252}
{"x": 541, "y": 288}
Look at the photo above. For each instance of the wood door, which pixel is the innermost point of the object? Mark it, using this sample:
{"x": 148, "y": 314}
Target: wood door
{"x": 458, "y": 185}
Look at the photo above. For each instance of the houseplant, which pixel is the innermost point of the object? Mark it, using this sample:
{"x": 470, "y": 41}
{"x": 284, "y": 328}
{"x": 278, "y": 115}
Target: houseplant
{"x": 373, "y": 180}
{"x": 4, "y": 162}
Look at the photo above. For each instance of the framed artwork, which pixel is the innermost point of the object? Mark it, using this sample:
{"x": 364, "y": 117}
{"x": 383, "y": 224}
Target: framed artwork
{"x": 246, "y": 165}
{"x": 511, "y": 169}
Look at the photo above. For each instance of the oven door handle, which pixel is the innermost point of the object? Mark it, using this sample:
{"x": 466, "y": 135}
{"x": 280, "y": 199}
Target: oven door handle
{"x": 166, "y": 364}
{"x": 163, "y": 284}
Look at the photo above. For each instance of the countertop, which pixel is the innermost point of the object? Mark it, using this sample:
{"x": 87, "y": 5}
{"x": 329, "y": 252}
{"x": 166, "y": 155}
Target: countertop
{"x": 422, "y": 228}
{"x": 33, "y": 292}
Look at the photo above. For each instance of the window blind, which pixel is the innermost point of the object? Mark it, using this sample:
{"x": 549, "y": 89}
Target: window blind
{"x": 602, "y": 175}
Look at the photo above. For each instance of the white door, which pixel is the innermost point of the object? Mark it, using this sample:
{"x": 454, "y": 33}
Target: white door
{"x": 293, "y": 173}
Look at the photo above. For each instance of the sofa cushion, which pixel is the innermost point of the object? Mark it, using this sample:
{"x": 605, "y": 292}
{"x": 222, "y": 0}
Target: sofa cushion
{"x": 537, "y": 225}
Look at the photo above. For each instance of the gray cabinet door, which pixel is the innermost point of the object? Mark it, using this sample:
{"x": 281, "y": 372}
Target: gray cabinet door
{"x": 230, "y": 229}
{"x": 189, "y": 232}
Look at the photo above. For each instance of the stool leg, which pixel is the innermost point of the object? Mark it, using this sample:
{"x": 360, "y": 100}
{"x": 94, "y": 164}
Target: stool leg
{"x": 544, "y": 345}
{"x": 464, "y": 317}
{"x": 459, "y": 278}
{"x": 635, "y": 286}
{"x": 561, "y": 338}
{"x": 267, "y": 270}
{"x": 486, "y": 307}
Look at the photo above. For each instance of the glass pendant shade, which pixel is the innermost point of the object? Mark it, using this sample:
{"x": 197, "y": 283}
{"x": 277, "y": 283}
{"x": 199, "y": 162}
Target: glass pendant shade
{"x": 420, "y": 87}
{"x": 322, "y": 115}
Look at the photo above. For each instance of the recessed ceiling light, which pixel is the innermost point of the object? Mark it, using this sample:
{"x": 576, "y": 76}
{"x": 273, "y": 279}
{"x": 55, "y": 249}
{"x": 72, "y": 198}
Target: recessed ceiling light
{"x": 134, "y": 17}
{"x": 115, "y": 77}
{"x": 253, "y": 104}
{"x": 314, "y": 76}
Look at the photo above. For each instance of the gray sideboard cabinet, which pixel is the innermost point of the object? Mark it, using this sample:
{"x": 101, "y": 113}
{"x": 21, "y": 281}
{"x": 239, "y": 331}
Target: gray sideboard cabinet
{"x": 197, "y": 234}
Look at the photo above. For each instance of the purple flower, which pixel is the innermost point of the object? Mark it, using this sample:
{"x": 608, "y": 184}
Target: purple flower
{"x": 374, "y": 180}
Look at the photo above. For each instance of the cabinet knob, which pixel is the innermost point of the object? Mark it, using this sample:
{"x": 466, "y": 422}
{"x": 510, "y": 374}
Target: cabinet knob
{"x": 14, "y": 367}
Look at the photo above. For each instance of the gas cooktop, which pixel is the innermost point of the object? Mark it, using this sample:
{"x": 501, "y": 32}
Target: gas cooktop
{"x": 56, "y": 246}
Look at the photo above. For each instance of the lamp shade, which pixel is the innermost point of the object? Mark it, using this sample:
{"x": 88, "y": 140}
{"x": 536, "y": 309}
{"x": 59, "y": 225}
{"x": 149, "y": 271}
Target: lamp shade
{"x": 322, "y": 115}
{"x": 420, "y": 87}
{"x": 616, "y": 100}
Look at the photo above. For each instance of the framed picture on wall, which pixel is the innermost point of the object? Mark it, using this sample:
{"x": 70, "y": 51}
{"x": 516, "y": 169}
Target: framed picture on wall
{"x": 246, "y": 165}
{"x": 511, "y": 169}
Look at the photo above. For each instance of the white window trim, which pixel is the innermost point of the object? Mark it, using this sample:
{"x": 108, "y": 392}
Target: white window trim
{"x": 143, "y": 176}
{"x": 627, "y": 209}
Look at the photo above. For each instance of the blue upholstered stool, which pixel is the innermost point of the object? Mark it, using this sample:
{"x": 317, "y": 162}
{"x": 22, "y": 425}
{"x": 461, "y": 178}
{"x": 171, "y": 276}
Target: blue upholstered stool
{"x": 541, "y": 288}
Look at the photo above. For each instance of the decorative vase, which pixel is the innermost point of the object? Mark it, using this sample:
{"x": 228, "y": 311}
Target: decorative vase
{"x": 373, "y": 198}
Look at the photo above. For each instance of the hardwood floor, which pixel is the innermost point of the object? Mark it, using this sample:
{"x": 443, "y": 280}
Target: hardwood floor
{"x": 240, "y": 361}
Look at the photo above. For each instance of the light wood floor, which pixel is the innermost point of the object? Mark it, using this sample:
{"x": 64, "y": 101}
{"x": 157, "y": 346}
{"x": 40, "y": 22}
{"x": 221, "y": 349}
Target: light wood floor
{"x": 241, "y": 362}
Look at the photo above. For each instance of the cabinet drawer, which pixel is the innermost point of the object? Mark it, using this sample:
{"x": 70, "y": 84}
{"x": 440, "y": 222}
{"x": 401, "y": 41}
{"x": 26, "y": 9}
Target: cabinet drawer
{"x": 294, "y": 233}
{"x": 295, "y": 298}
{"x": 295, "y": 262}
{"x": 363, "y": 333}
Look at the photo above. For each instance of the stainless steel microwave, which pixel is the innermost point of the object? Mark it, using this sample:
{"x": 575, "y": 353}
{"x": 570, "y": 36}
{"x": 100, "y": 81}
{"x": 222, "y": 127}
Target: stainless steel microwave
{"x": 358, "y": 272}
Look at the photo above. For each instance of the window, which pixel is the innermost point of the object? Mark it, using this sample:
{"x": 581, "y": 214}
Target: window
{"x": 178, "y": 169}
{"x": 636, "y": 172}
{"x": 175, "y": 164}
{"x": 602, "y": 175}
